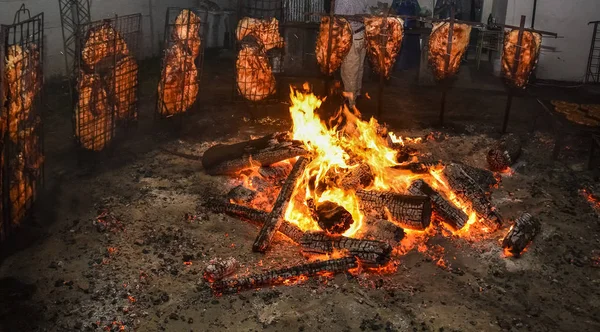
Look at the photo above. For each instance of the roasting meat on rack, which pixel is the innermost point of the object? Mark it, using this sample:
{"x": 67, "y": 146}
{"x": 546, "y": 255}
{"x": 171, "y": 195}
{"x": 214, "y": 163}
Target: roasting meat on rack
{"x": 101, "y": 42}
{"x": 94, "y": 123}
{"x": 341, "y": 40}
{"x": 255, "y": 79}
{"x": 384, "y": 39}
{"x": 123, "y": 84}
{"x": 530, "y": 52}
{"x": 178, "y": 87}
{"x": 438, "y": 48}
{"x": 187, "y": 31}
{"x": 266, "y": 31}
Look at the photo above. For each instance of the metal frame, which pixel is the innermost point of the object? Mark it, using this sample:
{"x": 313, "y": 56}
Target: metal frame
{"x": 73, "y": 14}
{"x": 103, "y": 65}
{"x": 171, "y": 40}
{"x": 594, "y": 57}
{"x": 22, "y": 145}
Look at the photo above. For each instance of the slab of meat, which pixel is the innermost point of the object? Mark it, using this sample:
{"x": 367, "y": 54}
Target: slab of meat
{"x": 378, "y": 32}
{"x": 438, "y": 48}
{"x": 187, "y": 31}
{"x": 341, "y": 40}
{"x": 21, "y": 193}
{"x": 94, "y": 119}
{"x": 101, "y": 42}
{"x": 266, "y": 31}
{"x": 123, "y": 83}
{"x": 254, "y": 78}
{"x": 530, "y": 52}
{"x": 178, "y": 87}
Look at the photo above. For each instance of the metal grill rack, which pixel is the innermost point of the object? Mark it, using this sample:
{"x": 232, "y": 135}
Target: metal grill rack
{"x": 593, "y": 65}
{"x": 22, "y": 159}
{"x": 183, "y": 60}
{"x": 259, "y": 59}
{"x": 73, "y": 14}
{"x": 106, "y": 95}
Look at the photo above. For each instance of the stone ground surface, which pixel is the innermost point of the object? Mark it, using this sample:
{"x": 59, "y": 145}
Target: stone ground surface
{"x": 60, "y": 273}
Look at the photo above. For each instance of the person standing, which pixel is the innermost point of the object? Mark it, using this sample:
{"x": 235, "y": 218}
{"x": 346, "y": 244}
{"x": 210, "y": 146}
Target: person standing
{"x": 354, "y": 63}
{"x": 410, "y": 52}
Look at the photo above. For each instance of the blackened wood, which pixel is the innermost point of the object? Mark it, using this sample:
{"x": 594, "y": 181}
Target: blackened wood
{"x": 521, "y": 234}
{"x": 284, "y": 276}
{"x": 412, "y": 212}
{"x": 444, "y": 211}
{"x": 331, "y": 217}
{"x": 241, "y": 195}
{"x": 230, "y": 159}
{"x": 504, "y": 153}
{"x": 358, "y": 178}
{"x": 275, "y": 172}
{"x": 370, "y": 252}
{"x": 420, "y": 167}
{"x": 382, "y": 230}
{"x": 271, "y": 225}
{"x": 483, "y": 177}
{"x": 465, "y": 188}
{"x": 220, "y": 268}
{"x": 256, "y": 217}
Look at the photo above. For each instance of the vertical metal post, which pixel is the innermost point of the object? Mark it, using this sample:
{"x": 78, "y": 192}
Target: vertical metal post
{"x": 383, "y": 46}
{"x": 591, "y": 56}
{"x": 331, "y": 17}
{"x": 447, "y": 64}
{"x": 514, "y": 68}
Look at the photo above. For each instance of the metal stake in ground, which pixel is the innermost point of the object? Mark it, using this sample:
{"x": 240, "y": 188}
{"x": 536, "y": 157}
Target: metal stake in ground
{"x": 383, "y": 39}
{"x": 265, "y": 236}
{"x": 514, "y": 71}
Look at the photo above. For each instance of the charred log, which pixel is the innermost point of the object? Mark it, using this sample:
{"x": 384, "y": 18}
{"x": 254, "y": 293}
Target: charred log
{"x": 412, "y": 212}
{"x": 219, "y": 268}
{"x": 382, "y": 230}
{"x": 241, "y": 195}
{"x": 504, "y": 153}
{"x": 256, "y": 217}
{"x": 275, "y": 172}
{"x": 330, "y": 216}
{"x": 420, "y": 167}
{"x": 444, "y": 211}
{"x": 228, "y": 159}
{"x": 271, "y": 225}
{"x": 483, "y": 177}
{"x": 284, "y": 276}
{"x": 370, "y": 252}
{"x": 521, "y": 234}
{"x": 469, "y": 191}
{"x": 357, "y": 178}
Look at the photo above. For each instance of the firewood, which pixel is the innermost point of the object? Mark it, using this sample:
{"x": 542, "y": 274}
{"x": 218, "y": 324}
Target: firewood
{"x": 412, "y": 212}
{"x": 284, "y": 276}
{"x": 521, "y": 234}
{"x": 444, "y": 211}
{"x": 420, "y": 167}
{"x": 504, "y": 153}
{"x": 241, "y": 195}
{"x": 382, "y": 230}
{"x": 483, "y": 177}
{"x": 358, "y": 178}
{"x": 271, "y": 225}
{"x": 275, "y": 172}
{"x": 219, "y": 268}
{"x": 330, "y": 216}
{"x": 469, "y": 191}
{"x": 254, "y": 216}
{"x": 224, "y": 159}
{"x": 369, "y": 252}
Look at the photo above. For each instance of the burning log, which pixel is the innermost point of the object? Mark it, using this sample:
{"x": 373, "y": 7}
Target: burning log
{"x": 330, "y": 216}
{"x": 529, "y": 54}
{"x": 420, "y": 167}
{"x": 504, "y": 153}
{"x": 337, "y": 48}
{"x": 521, "y": 234}
{"x": 229, "y": 159}
{"x": 271, "y": 225}
{"x": 370, "y": 252}
{"x": 468, "y": 190}
{"x": 384, "y": 40}
{"x": 358, "y": 178}
{"x": 483, "y": 177}
{"x": 275, "y": 172}
{"x": 438, "y": 48}
{"x": 241, "y": 195}
{"x": 445, "y": 211}
{"x": 285, "y": 275}
{"x": 382, "y": 230}
{"x": 412, "y": 212}
{"x": 255, "y": 216}
{"x": 219, "y": 268}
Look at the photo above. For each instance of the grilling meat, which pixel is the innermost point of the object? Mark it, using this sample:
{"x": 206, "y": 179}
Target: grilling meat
{"x": 21, "y": 193}
{"x": 178, "y": 87}
{"x": 530, "y": 52}
{"x": 341, "y": 40}
{"x": 101, "y": 42}
{"x": 438, "y": 48}
{"x": 379, "y": 32}
{"x": 94, "y": 119}
{"x": 266, "y": 31}
{"x": 187, "y": 31}
{"x": 255, "y": 78}
{"x": 124, "y": 87}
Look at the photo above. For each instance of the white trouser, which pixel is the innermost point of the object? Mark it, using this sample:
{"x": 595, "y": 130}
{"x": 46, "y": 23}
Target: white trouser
{"x": 353, "y": 68}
